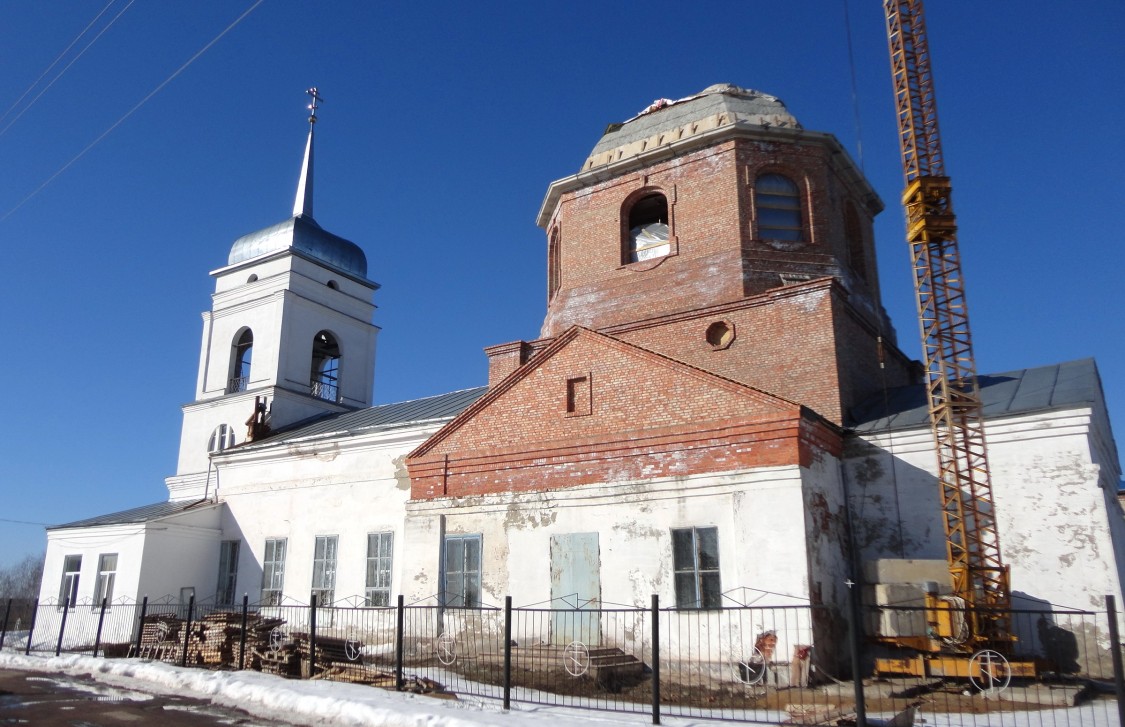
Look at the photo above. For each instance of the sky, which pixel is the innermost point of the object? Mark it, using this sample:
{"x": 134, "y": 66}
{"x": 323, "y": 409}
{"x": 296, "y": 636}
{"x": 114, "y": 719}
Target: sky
{"x": 442, "y": 125}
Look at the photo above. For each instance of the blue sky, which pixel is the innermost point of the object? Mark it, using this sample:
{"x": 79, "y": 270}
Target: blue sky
{"x": 442, "y": 127}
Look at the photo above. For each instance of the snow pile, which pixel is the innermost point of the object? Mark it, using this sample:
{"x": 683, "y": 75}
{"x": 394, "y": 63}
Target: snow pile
{"x": 304, "y": 702}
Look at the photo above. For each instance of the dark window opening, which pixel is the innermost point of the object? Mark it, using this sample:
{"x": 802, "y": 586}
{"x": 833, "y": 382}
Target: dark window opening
{"x": 228, "y": 572}
{"x": 649, "y": 233}
{"x": 695, "y": 562}
{"x": 778, "y": 203}
{"x": 325, "y": 378}
{"x": 554, "y": 274}
{"x": 462, "y": 571}
{"x": 240, "y": 367}
{"x": 333, "y": 284}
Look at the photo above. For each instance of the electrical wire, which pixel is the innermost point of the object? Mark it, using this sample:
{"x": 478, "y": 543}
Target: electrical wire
{"x": 66, "y": 68}
{"x": 23, "y": 522}
{"x": 133, "y": 110}
{"x": 56, "y": 61}
{"x": 855, "y": 93}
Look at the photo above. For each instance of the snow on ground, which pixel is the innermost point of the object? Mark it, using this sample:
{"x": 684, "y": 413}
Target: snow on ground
{"x": 314, "y": 702}
{"x": 323, "y": 702}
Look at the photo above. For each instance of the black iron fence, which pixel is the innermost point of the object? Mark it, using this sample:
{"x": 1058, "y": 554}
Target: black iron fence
{"x": 752, "y": 663}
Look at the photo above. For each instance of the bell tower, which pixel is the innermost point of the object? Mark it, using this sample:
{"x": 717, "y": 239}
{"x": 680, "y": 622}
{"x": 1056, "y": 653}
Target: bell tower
{"x": 289, "y": 324}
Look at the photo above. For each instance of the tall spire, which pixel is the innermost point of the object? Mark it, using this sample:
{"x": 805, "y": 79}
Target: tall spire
{"x": 303, "y": 204}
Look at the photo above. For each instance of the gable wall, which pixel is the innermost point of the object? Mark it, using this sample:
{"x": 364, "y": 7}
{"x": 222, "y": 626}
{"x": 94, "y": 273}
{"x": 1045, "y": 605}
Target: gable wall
{"x": 647, "y": 417}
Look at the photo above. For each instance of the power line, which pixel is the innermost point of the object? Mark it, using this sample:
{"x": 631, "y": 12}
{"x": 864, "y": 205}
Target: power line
{"x": 66, "y": 68}
{"x": 55, "y": 62}
{"x": 133, "y": 110}
{"x": 23, "y": 522}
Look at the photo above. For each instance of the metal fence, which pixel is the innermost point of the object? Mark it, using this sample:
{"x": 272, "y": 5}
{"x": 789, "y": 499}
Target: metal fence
{"x": 748, "y": 663}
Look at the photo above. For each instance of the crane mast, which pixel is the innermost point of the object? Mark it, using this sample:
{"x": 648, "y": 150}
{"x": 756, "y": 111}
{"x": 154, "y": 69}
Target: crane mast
{"x": 978, "y": 573}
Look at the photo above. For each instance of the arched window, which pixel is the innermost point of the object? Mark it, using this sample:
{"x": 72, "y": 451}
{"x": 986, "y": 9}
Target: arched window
{"x": 325, "y": 377}
{"x": 778, "y": 203}
{"x": 857, "y": 257}
{"x": 554, "y": 274}
{"x": 240, "y": 362}
{"x": 222, "y": 438}
{"x": 647, "y": 231}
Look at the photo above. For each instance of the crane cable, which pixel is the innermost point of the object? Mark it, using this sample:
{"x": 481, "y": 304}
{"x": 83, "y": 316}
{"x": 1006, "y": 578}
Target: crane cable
{"x": 56, "y": 61}
{"x": 133, "y": 110}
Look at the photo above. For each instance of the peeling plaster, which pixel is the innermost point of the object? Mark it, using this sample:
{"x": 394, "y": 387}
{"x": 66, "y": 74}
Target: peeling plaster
{"x": 321, "y": 453}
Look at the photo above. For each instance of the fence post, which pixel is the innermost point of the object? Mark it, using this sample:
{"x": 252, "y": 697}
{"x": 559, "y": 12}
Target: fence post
{"x": 655, "y": 659}
{"x": 4, "y": 628}
{"x": 400, "y": 637}
{"x": 1115, "y": 651}
{"x": 242, "y": 638}
{"x": 187, "y": 629}
{"x": 507, "y": 653}
{"x": 98, "y": 637}
{"x": 31, "y": 626}
{"x": 312, "y": 636}
{"x": 62, "y": 626}
{"x": 855, "y": 644}
{"x": 141, "y": 624}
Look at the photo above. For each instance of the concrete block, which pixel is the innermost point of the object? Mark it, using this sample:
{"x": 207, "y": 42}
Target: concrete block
{"x": 896, "y": 570}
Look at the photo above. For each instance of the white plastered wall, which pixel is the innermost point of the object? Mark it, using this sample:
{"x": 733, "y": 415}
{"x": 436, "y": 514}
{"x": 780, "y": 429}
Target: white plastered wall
{"x": 342, "y": 486}
{"x": 768, "y": 551}
{"x": 1056, "y": 529}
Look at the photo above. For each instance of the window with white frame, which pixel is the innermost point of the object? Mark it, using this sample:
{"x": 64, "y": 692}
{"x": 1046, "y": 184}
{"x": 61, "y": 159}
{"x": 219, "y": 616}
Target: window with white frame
{"x": 107, "y": 574}
{"x": 222, "y": 438}
{"x": 462, "y": 571}
{"x": 324, "y": 570}
{"x": 68, "y": 590}
{"x": 273, "y": 571}
{"x": 695, "y": 561}
{"x": 379, "y": 550}
{"x": 228, "y": 572}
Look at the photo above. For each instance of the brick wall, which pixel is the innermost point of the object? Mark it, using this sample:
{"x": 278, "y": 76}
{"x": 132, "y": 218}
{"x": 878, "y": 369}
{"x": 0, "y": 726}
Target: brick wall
{"x": 716, "y": 255}
{"x": 648, "y": 416}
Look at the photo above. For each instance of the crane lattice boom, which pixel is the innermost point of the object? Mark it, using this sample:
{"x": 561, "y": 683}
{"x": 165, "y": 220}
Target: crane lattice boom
{"x": 956, "y": 416}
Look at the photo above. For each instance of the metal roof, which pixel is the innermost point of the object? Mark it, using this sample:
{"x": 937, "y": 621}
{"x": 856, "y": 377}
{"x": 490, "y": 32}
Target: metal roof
{"x": 383, "y": 416}
{"x": 142, "y": 514}
{"x": 304, "y": 234}
{"x": 1058, "y": 386}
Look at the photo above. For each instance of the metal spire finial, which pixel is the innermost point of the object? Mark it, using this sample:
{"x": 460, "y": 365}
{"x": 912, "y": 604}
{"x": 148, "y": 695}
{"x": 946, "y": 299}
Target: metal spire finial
{"x": 303, "y": 204}
{"x": 313, "y": 106}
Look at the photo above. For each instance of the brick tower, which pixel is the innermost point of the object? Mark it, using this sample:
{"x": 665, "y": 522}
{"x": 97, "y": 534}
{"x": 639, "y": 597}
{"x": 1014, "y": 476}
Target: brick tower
{"x": 715, "y": 230}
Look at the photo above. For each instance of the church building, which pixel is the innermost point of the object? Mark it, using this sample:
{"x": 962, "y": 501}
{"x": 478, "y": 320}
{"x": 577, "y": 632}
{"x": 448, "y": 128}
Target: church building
{"x": 716, "y": 409}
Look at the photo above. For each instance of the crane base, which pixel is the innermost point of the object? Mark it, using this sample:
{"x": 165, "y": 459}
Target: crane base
{"x": 956, "y": 666}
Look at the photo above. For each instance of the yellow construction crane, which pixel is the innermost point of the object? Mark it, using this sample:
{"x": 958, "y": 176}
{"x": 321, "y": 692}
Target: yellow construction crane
{"x": 978, "y": 616}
